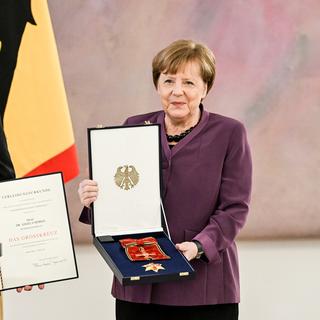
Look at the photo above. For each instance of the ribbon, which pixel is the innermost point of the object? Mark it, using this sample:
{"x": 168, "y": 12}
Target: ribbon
{"x": 143, "y": 249}
{"x": 138, "y": 242}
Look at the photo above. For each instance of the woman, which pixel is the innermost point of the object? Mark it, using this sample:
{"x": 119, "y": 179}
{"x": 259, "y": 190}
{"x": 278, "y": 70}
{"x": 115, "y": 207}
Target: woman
{"x": 206, "y": 168}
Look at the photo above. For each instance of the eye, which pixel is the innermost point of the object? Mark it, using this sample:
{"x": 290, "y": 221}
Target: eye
{"x": 168, "y": 81}
{"x": 189, "y": 83}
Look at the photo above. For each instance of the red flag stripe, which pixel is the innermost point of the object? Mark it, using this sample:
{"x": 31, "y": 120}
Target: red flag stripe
{"x": 66, "y": 161}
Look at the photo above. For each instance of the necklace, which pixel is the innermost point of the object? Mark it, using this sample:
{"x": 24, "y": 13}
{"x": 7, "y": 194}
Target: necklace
{"x": 178, "y": 137}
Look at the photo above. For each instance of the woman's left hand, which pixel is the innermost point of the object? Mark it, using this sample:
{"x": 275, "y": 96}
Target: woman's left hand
{"x": 189, "y": 249}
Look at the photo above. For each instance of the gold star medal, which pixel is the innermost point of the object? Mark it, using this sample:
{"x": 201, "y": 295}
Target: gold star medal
{"x": 153, "y": 267}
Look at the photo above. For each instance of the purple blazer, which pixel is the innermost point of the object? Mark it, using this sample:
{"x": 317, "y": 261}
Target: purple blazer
{"x": 206, "y": 192}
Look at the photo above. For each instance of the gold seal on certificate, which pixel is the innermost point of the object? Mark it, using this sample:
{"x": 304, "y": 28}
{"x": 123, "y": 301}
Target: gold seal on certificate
{"x": 153, "y": 267}
{"x": 126, "y": 177}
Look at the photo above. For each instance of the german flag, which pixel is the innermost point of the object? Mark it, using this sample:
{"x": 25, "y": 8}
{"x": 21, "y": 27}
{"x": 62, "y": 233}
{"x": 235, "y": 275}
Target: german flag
{"x": 37, "y": 122}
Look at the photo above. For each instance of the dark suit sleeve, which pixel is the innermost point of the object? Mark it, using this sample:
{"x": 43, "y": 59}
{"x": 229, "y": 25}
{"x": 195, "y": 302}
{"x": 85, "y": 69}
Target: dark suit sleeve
{"x": 86, "y": 216}
{"x": 234, "y": 196}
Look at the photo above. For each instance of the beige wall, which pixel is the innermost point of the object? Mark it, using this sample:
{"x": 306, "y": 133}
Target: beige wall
{"x": 268, "y": 77}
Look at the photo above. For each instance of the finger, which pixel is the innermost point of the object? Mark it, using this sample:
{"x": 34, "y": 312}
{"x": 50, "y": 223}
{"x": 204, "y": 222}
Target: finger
{"x": 182, "y": 246}
{"x": 41, "y": 286}
{"x": 88, "y": 195}
{"x": 88, "y": 201}
{"x": 27, "y": 288}
{"x": 178, "y": 246}
{"x": 19, "y": 289}
{"x": 84, "y": 190}
{"x": 187, "y": 255}
{"x": 185, "y": 252}
{"x": 88, "y": 182}
{"x": 188, "y": 249}
{"x": 89, "y": 187}
{"x": 88, "y": 192}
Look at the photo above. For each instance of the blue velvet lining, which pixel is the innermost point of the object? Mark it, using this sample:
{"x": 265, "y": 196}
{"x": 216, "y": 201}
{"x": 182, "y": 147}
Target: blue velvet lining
{"x": 129, "y": 268}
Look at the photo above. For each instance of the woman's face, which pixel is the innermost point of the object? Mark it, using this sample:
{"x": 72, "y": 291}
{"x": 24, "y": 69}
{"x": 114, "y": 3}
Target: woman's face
{"x": 181, "y": 93}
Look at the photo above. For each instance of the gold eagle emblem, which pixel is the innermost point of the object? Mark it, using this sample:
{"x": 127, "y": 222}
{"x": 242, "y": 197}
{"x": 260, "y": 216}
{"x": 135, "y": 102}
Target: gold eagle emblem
{"x": 126, "y": 177}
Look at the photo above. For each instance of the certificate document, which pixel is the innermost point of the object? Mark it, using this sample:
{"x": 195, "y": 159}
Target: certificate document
{"x": 128, "y": 175}
{"x": 35, "y": 235}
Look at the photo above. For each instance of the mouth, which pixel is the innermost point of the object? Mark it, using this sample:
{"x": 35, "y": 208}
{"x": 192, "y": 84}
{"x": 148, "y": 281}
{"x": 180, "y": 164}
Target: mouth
{"x": 177, "y": 103}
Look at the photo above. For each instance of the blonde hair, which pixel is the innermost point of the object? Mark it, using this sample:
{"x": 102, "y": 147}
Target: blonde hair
{"x": 180, "y": 52}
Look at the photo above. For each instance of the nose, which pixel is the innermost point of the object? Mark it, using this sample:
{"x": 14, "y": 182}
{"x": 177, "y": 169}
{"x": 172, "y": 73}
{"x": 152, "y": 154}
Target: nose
{"x": 177, "y": 89}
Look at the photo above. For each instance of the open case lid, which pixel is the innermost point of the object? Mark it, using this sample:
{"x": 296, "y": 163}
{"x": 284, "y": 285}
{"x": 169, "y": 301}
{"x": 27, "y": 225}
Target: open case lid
{"x": 125, "y": 162}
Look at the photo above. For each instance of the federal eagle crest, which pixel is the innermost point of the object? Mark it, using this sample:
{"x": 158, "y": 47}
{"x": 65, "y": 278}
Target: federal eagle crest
{"x": 126, "y": 177}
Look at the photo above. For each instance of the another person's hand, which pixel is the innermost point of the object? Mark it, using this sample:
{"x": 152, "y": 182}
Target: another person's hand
{"x": 88, "y": 192}
{"x": 189, "y": 249}
{"x": 29, "y": 288}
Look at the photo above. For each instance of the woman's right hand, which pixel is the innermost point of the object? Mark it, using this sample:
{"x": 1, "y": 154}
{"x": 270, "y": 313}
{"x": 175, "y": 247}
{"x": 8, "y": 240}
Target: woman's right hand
{"x": 88, "y": 192}
{"x": 29, "y": 288}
